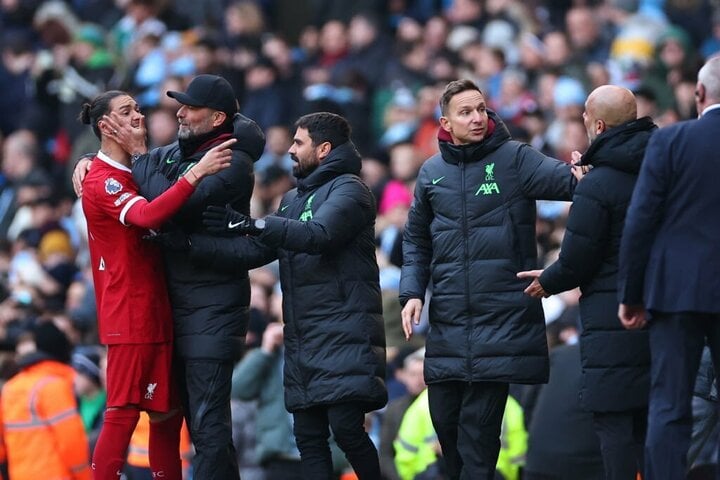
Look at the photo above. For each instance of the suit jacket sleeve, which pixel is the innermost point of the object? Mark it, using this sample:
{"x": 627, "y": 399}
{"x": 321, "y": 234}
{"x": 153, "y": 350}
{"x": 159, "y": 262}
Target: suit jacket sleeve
{"x": 644, "y": 215}
{"x": 542, "y": 177}
{"x": 585, "y": 238}
{"x": 417, "y": 245}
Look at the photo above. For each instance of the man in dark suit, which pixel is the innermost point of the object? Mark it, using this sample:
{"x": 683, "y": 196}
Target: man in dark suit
{"x": 669, "y": 260}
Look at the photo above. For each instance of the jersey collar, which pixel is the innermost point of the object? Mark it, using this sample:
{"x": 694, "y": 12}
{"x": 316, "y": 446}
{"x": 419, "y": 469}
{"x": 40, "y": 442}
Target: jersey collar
{"x": 112, "y": 162}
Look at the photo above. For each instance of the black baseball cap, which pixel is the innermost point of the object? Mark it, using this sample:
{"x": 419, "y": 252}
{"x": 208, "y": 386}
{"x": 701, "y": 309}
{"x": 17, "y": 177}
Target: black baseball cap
{"x": 208, "y": 91}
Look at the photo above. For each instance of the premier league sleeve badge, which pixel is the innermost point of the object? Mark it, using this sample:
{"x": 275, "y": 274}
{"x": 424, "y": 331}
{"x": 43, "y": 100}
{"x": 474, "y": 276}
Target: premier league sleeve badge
{"x": 112, "y": 186}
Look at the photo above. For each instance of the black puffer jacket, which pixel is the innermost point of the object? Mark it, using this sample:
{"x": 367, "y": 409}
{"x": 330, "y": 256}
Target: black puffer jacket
{"x": 470, "y": 230}
{"x": 323, "y": 234}
{"x": 615, "y": 361}
{"x": 210, "y": 307}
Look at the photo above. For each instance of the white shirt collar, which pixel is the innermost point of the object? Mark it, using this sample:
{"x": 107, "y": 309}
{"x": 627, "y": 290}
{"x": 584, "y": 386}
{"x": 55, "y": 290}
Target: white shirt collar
{"x": 119, "y": 165}
{"x": 714, "y": 106}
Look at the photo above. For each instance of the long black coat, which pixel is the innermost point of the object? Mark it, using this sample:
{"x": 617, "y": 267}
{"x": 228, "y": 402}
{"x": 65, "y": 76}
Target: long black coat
{"x": 323, "y": 235}
{"x": 470, "y": 229}
{"x": 615, "y": 361}
{"x": 210, "y": 306}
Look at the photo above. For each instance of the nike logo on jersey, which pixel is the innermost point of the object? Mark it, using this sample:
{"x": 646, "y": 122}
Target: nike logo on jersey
{"x": 232, "y": 225}
{"x": 170, "y": 160}
{"x": 436, "y": 180}
{"x": 284, "y": 207}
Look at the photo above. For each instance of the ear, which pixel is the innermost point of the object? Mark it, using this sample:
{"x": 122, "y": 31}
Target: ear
{"x": 445, "y": 124}
{"x": 218, "y": 118}
{"x": 104, "y": 129}
{"x": 600, "y": 126}
{"x": 700, "y": 93}
{"x": 324, "y": 150}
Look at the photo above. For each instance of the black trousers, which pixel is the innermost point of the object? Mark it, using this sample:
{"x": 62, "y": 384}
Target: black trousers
{"x": 468, "y": 418}
{"x": 676, "y": 344}
{"x": 282, "y": 469}
{"x": 622, "y": 441}
{"x": 311, "y": 428}
{"x": 205, "y": 393}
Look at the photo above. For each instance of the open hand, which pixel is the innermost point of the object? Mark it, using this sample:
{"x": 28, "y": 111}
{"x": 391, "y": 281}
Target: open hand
{"x": 534, "y": 289}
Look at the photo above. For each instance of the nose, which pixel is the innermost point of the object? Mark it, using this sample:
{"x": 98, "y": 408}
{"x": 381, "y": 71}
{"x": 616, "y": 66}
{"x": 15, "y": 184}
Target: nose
{"x": 181, "y": 111}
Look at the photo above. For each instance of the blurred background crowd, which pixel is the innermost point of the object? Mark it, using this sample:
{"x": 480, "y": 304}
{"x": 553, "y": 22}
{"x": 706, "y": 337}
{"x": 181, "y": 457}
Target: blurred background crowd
{"x": 381, "y": 64}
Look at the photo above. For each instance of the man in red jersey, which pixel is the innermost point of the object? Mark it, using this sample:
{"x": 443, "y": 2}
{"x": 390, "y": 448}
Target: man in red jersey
{"x": 134, "y": 314}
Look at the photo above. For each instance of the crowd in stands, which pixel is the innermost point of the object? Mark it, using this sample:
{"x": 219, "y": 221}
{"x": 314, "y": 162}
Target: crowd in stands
{"x": 382, "y": 65}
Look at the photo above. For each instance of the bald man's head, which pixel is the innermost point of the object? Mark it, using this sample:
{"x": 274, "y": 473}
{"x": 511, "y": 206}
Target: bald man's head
{"x": 607, "y": 107}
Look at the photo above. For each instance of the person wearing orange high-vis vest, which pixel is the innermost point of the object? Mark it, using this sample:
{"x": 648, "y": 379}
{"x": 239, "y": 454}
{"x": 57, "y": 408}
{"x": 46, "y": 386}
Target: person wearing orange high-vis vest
{"x": 42, "y": 430}
{"x": 138, "y": 454}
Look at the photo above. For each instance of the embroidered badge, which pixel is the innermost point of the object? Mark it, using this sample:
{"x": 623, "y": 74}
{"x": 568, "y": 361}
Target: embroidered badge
{"x": 112, "y": 186}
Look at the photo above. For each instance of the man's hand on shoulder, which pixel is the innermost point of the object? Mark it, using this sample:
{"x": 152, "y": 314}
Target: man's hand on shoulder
{"x": 81, "y": 168}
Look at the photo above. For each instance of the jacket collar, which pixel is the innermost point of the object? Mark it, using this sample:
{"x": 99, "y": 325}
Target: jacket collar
{"x": 498, "y": 134}
{"x": 342, "y": 159}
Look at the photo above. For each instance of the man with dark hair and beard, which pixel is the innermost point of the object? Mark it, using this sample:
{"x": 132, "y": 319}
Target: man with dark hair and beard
{"x": 323, "y": 235}
{"x": 210, "y": 306}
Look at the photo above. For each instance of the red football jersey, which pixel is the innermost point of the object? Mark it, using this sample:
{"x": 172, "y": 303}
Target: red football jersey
{"x": 128, "y": 273}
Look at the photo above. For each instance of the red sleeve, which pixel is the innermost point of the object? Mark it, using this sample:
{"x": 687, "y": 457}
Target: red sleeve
{"x": 141, "y": 213}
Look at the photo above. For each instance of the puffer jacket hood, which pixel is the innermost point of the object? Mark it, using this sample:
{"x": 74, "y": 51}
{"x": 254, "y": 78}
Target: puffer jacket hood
{"x": 621, "y": 147}
{"x": 250, "y": 138}
{"x": 342, "y": 159}
{"x": 498, "y": 134}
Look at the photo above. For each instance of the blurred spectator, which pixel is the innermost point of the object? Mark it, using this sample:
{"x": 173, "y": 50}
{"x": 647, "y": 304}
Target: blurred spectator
{"x": 263, "y": 95}
{"x": 562, "y": 444}
{"x": 42, "y": 430}
{"x": 89, "y": 389}
{"x": 409, "y": 372}
{"x": 18, "y": 57}
{"x": 258, "y": 376}
{"x": 277, "y": 142}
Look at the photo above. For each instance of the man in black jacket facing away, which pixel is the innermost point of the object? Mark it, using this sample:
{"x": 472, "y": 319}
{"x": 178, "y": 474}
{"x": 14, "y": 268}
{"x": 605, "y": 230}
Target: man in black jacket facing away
{"x": 210, "y": 306}
{"x": 470, "y": 229}
{"x": 323, "y": 235}
{"x": 615, "y": 362}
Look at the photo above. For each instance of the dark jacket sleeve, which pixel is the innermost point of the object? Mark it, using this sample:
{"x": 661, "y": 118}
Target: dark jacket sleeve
{"x": 153, "y": 174}
{"x": 417, "y": 245}
{"x": 230, "y": 254}
{"x": 227, "y": 186}
{"x": 542, "y": 177}
{"x": 348, "y": 210}
{"x": 586, "y": 235}
{"x": 643, "y": 218}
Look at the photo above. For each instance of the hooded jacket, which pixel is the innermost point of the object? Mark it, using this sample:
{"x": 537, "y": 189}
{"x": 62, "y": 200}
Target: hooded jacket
{"x": 323, "y": 235}
{"x": 210, "y": 306}
{"x": 470, "y": 229}
{"x": 615, "y": 361}
{"x": 42, "y": 430}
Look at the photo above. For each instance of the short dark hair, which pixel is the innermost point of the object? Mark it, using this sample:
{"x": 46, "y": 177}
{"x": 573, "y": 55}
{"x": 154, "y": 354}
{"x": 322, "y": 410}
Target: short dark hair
{"x": 325, "y": 127}
{"x": 92, "y": 112}
{"x": 453, "y": 88}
